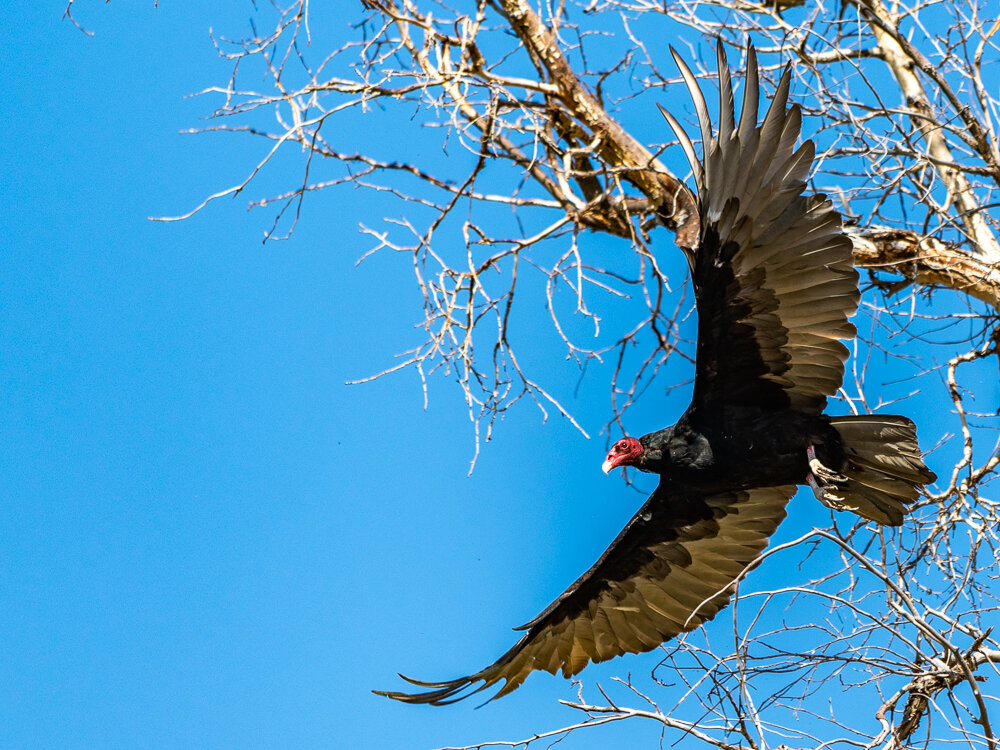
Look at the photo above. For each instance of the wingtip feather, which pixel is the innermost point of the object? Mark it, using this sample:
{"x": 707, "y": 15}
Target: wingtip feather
{"x": 686, "y": 145}
{"x": 727, "y": 115}
{"x": 440, "y": 693}
{"x": 701, "y": 107}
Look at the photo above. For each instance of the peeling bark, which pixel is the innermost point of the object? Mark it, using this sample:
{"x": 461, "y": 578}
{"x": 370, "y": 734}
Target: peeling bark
{"x": 886, "y": 30}
{"x": 621, "y": 152}
{"x": 927, "y": 261}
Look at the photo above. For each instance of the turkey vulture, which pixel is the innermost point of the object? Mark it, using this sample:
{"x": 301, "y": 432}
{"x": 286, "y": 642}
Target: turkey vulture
{"x": 774, "y": 286}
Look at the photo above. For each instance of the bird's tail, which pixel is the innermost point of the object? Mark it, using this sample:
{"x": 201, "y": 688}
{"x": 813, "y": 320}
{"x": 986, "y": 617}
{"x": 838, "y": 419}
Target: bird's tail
{"x": 884, "y": 470}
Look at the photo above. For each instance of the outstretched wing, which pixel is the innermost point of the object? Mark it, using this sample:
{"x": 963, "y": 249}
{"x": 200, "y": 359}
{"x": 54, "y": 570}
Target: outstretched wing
{"x": 673, "y": 567}
{"x": 773, "y": 274}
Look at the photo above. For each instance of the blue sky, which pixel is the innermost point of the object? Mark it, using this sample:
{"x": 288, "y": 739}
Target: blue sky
{"x": 209, "y": 540}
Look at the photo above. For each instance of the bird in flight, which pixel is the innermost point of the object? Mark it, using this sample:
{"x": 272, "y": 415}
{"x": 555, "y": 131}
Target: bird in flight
{"x": 774, "y": 287}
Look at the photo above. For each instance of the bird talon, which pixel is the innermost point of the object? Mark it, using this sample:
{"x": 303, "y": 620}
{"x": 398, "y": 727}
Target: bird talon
{"x": 820, "y": 471}
{"x": 834, "y": 502}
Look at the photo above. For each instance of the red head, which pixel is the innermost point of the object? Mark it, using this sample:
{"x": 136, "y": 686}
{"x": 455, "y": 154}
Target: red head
{"x": 623, "y": 453}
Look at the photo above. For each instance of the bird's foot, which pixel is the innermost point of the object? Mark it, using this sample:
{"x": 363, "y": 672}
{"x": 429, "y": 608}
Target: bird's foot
{"x": 834, "y": 502}
{"x": 820, "y": 471}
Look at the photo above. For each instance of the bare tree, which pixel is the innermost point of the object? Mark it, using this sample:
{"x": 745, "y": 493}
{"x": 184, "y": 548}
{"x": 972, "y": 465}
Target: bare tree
{"x": 531, "y": 103}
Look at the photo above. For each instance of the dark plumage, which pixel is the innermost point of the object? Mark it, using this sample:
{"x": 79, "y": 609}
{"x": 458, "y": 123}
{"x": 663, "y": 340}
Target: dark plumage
{"x": 775, "y": 285}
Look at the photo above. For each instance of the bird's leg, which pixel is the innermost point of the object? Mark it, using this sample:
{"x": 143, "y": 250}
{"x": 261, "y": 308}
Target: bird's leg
{"x": 820, "y": 477}
{"x": 820, "y": 471}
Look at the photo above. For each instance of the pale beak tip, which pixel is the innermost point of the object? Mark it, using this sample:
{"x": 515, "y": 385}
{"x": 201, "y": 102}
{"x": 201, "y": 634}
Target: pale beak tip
{"x": 607, "y": 466}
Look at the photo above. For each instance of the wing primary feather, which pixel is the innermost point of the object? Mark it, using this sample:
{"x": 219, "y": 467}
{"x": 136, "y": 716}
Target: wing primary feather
{"x": 751, "y": 93}
{"x": 727, "y": 116}
{"x": 777, "y": 110}
{"x": 701, "y": 108}
{"x": 686, "y": 145}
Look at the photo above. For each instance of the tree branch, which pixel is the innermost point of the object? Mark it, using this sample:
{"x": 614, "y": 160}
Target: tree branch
{"x": 927, "y": 261}
{"x": 671, "y": 197}
{"x": 894, "y": 49}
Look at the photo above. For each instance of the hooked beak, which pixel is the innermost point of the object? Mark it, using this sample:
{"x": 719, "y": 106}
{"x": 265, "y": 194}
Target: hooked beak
{"x": 614, "y": 460}
{"x": 624, "y": 453}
